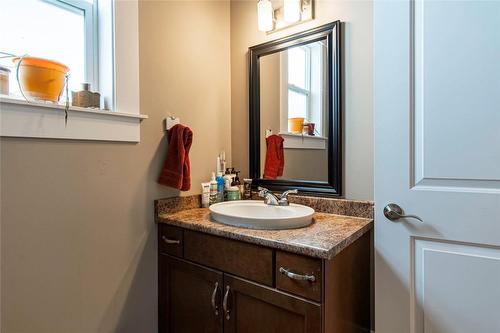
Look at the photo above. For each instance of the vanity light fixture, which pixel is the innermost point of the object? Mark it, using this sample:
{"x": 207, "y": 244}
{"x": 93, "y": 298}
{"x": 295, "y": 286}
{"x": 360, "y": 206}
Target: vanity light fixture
{"x": 291, "y": 12}
{"x": 265, "y": 15}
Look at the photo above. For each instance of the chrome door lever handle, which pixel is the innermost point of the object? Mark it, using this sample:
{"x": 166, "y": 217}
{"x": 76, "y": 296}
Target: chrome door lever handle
{"x": 393, "y": 212}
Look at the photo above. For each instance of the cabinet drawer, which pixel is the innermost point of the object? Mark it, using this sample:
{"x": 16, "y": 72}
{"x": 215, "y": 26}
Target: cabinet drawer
{"x": 170, "y": 240}
{"x": 242, "y": 259}
{"x": 299, "y": 275}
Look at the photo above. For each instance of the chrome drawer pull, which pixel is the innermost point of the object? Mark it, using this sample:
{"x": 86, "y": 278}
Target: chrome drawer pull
{"x": 170, "y": 241}
{"x": 214, "y": 294}
{"x": 224, "y": 304}
{"x": 296, "y": 276}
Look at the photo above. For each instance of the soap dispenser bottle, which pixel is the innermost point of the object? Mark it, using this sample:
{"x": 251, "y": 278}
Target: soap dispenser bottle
{"x": 236, "y": 180}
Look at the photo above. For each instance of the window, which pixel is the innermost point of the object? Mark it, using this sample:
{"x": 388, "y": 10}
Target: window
{"x": 72, "y": 32}
{"x": 299, "y": 82}
{"x": 60, "y": 30}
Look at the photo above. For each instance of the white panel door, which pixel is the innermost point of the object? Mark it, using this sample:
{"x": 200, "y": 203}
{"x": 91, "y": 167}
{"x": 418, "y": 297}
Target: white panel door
{"x": 437, "y": 155}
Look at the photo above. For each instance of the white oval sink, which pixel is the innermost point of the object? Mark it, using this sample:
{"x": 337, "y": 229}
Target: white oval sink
{"x": 256, "y": 214}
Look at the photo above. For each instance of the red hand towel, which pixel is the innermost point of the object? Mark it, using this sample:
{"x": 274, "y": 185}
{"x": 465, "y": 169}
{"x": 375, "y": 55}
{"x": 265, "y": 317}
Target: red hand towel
{"x": 176, "y": 170}
{"x": 275, "y": 158}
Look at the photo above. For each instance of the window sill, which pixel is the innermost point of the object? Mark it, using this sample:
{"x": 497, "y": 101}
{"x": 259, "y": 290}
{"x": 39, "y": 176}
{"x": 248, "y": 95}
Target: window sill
{"x": 19, "y": 118}
{"x": 299, "y": 141}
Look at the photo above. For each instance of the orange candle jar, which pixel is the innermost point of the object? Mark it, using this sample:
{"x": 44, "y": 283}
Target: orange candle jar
{"x": 295, "y": 125}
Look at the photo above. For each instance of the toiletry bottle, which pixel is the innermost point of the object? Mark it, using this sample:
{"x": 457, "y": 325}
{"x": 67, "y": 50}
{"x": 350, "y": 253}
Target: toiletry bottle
{"x": 205, "y": 195}
{"x": 236, "y": 181}
{"x": 233, "y": 193}
{"x": 227, "y": 183}
{"x": 233, "y": 180}
{"x": 227, "y": 179}
{"x": 238, "y": 184}
{"x": 247, "y": 185}
{"x": 231, "y": 174}
{"x": 213, "y": 189}
{"x": 218, "y": 165}
{"x": 220, "y": 187}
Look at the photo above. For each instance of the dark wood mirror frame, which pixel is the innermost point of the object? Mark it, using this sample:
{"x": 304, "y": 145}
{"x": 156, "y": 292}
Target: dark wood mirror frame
{"x": 330, "y": 33}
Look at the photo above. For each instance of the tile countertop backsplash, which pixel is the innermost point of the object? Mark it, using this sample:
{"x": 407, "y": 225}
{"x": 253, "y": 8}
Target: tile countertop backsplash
{"x": 319, "y": 204}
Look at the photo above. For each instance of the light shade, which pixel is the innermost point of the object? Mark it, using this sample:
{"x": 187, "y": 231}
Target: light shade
{"x": 265, "y": 15}
{"x": 291, "y": 10}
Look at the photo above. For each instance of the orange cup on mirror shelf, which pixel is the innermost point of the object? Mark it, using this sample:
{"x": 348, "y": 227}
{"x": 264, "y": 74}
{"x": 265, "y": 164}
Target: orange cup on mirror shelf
{"x": 295, "y": 125}
{"x": 41, "y": 79}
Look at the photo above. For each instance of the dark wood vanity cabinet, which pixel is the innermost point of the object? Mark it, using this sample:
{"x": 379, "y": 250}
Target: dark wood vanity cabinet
{"x": 214, "y": 284}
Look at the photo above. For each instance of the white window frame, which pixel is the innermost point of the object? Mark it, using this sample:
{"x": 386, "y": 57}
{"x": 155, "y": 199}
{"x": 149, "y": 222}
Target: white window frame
{"x": 299, "y": 141}
{"x": 117, "y": 38}
{"x": 91, "y": 56}
{"x": 307, "y": 91}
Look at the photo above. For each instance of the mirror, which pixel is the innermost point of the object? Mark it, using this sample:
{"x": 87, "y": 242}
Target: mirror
{"x": 293, "y": 99}
{"x": 295, "y": 105}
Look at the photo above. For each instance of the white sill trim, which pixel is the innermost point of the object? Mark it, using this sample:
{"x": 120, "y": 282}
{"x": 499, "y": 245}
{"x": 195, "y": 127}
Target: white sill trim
{"x": 19, "y": 118}
{"x": 299, "y": 141}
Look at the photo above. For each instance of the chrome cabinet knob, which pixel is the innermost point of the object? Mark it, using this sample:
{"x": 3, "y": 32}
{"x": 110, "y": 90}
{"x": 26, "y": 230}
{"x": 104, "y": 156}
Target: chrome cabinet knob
{"x": 393, "y": 212}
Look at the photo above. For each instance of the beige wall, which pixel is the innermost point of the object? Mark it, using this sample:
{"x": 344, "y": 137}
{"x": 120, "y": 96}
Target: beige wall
{"x": 357, "y": 34}
{"x": 78, "y": 247}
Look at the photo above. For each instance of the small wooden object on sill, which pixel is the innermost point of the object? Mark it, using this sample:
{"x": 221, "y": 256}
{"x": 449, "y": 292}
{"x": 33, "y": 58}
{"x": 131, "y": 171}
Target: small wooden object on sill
{"x": 86, "y": 98}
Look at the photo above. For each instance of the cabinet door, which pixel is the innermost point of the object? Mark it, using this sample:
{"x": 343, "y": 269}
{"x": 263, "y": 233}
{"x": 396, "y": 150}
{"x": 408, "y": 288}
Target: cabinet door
{"x": 190, "y": 297}
{"x": 249, "y": 308}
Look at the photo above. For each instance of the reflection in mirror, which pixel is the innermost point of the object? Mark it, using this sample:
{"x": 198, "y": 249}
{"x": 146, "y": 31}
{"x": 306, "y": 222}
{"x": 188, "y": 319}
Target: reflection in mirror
{"x": 294, "y": 113}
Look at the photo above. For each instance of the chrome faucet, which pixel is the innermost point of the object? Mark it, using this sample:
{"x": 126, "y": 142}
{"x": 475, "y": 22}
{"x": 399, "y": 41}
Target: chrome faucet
{"x": 269, "y": 197}
{"x": 272, "y": 200}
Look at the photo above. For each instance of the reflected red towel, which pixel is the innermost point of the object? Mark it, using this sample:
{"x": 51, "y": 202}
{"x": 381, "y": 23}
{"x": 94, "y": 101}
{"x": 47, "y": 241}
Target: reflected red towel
{"x": 176, "y": 170}
{"x": 275, "y": 158}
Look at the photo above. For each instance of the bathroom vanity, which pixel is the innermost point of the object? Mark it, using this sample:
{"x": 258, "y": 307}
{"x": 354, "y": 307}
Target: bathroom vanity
{"x": 216, "y": 277}
{"x": 220, "y": 278}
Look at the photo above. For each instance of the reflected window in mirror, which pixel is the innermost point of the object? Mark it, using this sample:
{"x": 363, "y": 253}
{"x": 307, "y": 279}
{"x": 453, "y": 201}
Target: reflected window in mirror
{"x": 303, "y": 72}
{"x": 293, "y": 97}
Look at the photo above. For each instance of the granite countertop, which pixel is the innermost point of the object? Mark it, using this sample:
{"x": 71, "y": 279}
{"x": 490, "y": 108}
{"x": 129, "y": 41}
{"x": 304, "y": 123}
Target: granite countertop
{"x": 324, "y": 238}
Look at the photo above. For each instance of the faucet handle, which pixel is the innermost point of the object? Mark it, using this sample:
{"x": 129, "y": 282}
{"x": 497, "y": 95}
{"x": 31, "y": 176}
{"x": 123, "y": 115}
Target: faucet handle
{"x": 285, "y": 194}
{"x": 284, "y": 197}
{"x": 262, "y": 191}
